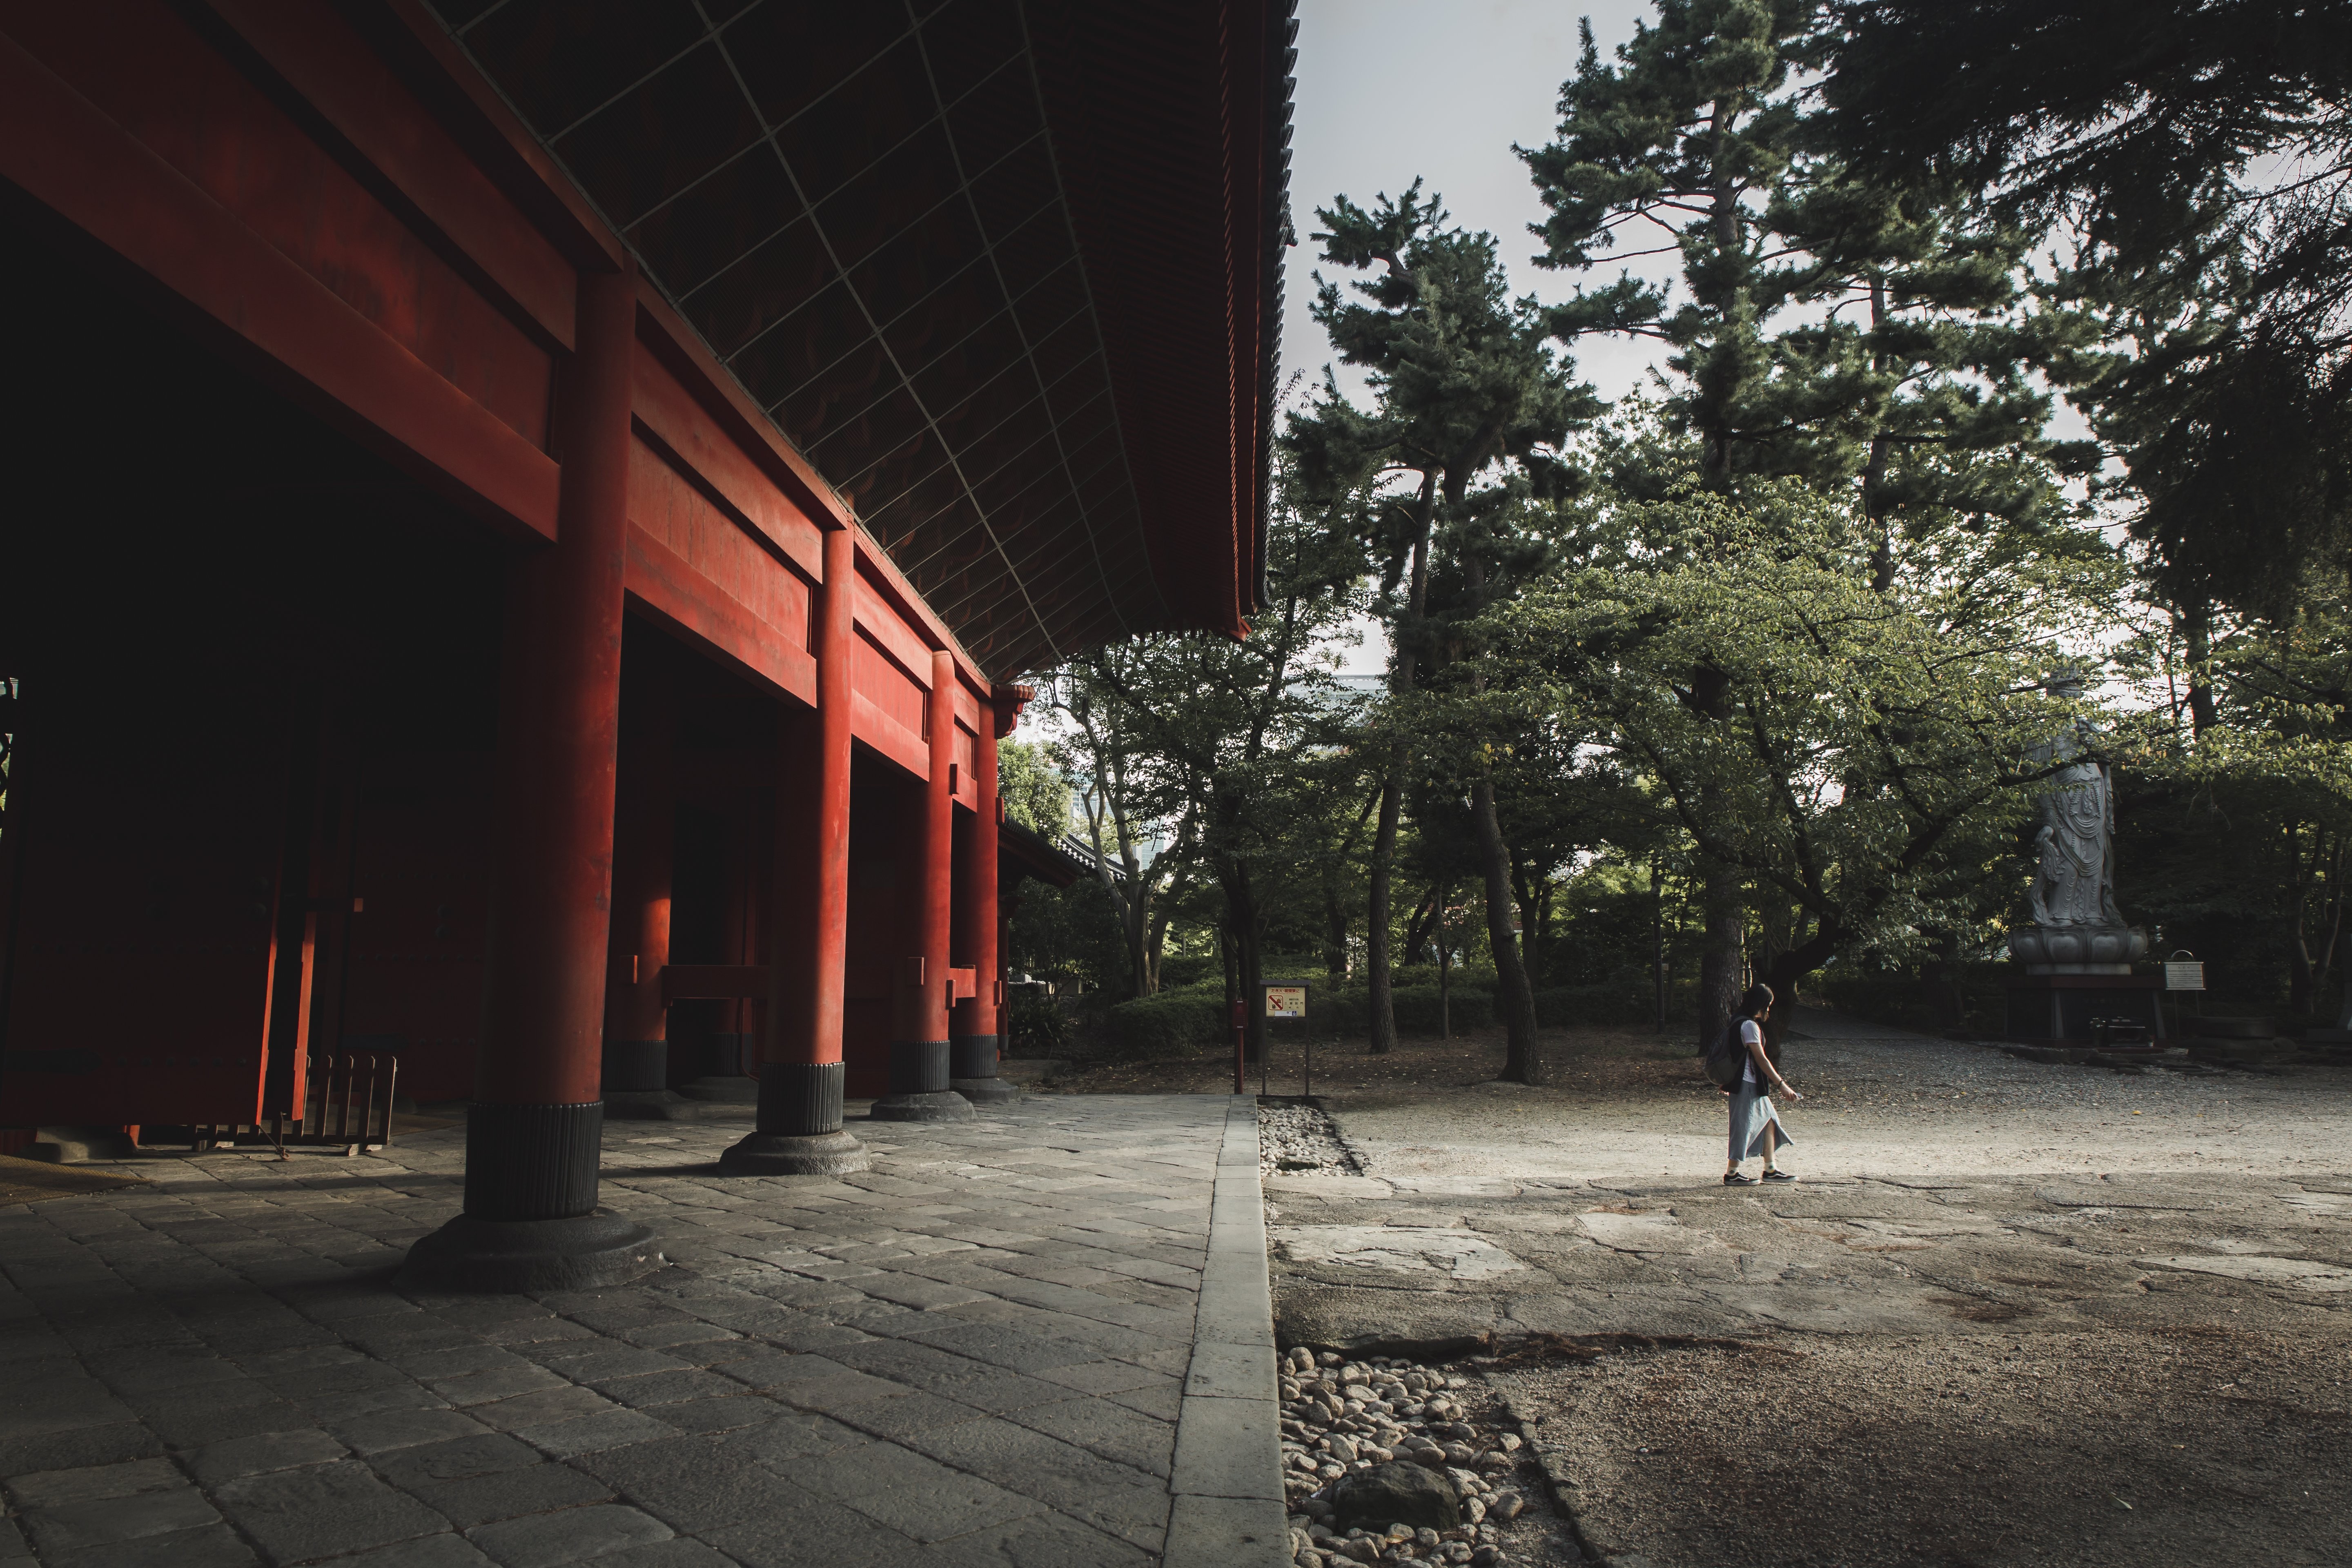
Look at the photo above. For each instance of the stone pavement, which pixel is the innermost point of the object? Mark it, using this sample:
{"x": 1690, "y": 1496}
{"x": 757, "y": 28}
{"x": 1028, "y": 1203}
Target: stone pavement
{"x": 1040, "y": 1338}
{"x": 1946, "y": 1189}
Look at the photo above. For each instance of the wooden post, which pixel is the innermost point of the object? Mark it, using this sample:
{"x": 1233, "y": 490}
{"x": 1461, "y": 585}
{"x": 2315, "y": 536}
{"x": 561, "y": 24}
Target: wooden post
{"x": 644, "y": 814}
{"x": 534, "y": 1132}
{"x": 974, "y": 1031}
{"x": 799, "y": 1131}
{"x": 1240, "y": 1027}
{"x": 919, "y": 987}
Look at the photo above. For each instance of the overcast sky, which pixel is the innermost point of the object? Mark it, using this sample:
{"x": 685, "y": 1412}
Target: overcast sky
{"x": 1391, "y": 89}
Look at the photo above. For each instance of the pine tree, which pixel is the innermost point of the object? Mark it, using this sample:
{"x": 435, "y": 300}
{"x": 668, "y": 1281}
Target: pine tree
{"x": 1682, "y": 140}
{"x": 1463, "y": 382}
{"x": 2223, "y": 292}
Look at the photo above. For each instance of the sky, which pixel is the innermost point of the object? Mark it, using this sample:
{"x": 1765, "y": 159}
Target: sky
{"x": 1391, "y": 89}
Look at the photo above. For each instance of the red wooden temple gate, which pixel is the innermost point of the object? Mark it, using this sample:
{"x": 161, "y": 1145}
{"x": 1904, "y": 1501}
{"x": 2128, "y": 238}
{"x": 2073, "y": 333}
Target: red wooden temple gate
{"x": 528, "y": 517}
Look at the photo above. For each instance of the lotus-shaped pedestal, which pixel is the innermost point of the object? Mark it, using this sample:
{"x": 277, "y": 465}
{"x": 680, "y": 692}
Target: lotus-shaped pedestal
{"x": 2078, "y": 950}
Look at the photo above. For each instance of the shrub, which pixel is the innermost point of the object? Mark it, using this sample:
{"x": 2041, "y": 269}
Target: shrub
{"x": 1466, "y": 977}
{"x": 1178, "y": 971}
{"x": 1170, "y": 1021}
{"x": 1349, "y": 1010}
{"x": 1611, "y": 1002}
{"x": 1034, "y": 1025}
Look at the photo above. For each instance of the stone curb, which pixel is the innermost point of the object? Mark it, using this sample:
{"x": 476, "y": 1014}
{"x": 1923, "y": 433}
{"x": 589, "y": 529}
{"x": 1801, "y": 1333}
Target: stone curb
{"x": 1566, "y": 1492}
{"x": 1226, "y": 1481}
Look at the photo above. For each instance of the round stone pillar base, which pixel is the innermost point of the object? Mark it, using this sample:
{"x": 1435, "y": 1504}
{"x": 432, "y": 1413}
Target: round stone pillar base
{"x": 585, "y": 1253}
{"x": 796, "y": 1155}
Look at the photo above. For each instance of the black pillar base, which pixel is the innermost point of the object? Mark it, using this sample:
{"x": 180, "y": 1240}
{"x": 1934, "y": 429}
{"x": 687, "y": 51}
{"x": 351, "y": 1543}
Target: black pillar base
{"x": 637, "y": 1083}
{"x": 800, "y": 1126}
{"x": 728, "y": 1081}
{"x": 531, "y": 1221}
{"x": 918, "y": 1085}
{"x": 794, "y": 1154}
{"x": 586, "y": 1252}
{"x": 971, "y": 1070}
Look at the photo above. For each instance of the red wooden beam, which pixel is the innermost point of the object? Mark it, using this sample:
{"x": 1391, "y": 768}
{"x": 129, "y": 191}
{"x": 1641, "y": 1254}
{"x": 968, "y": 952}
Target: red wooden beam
{"x": 272, "y": 315}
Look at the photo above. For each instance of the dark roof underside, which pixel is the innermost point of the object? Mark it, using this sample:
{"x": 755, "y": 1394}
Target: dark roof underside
{"x": 908, "y": 228}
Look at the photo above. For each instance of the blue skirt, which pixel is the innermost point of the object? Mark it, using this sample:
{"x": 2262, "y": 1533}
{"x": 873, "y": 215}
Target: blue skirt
{"x": 1751, "y": 1112}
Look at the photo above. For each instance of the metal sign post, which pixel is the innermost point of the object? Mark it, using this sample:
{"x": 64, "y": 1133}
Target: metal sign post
{"x": 2183, "y": 971}
{"x": 1241, "y": 1083}
{"x": 1284, "y": 1001}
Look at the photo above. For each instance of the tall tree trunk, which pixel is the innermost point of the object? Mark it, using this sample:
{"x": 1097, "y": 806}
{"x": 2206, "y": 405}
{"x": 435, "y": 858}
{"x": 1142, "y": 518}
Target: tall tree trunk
{"x": 1724, "y": 932}
{"x": 1658, "y": 936}
{"x": 1241, "y": 922}
{"x": 1225, "y": 962}
{"x": 2196, "y": 630}
{"x": 1335, "y": 936}
{"x": 1427, "y": 916}
{"x": 1521, "y": 1064}
{"x": 1380, "y": 1002}
{"x": 1873, "y": 473}
{"x": 1530, "y": 929}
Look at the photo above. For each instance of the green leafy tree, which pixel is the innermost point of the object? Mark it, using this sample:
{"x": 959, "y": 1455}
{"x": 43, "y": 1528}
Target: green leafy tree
{"x": 1870, "y": 745}
{"x": 1236, "y": 736}
{"x": 1036, "y": 793}
{"x": 2200, "y": 152}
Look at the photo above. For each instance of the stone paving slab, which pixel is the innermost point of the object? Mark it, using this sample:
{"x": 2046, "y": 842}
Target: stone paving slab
{"x": 1032, "y": 1339}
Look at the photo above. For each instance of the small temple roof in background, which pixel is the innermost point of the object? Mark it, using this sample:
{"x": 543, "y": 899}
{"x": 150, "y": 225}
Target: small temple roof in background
{"x": 1006, "y": 272}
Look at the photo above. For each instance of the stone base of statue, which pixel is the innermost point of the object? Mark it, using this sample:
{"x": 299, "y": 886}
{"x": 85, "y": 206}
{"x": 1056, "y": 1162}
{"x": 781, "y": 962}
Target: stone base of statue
{"x": 2075, "y": 975}
{"x": 2078, "y": 950}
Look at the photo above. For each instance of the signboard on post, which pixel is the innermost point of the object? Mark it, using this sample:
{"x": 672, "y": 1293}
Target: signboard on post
{"x": 1285, "y": 1001}
{"x": 2183, "y": 974}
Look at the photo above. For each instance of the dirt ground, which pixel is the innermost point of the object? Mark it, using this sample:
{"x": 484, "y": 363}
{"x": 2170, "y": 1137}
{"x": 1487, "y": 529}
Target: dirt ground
{"x": 2200, "y": 1445}
{"x": 2012, "y": 1314}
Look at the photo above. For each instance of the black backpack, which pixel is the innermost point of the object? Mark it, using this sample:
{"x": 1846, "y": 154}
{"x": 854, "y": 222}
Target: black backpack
{"x": 1725, "y": 1057}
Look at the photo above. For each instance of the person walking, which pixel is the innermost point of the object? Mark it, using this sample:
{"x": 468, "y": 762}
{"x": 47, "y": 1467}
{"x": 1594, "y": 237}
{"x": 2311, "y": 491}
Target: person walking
{"x": 1755, "y": 1123}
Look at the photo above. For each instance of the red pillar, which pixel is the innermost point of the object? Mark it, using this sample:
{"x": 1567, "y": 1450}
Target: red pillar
{"x": 973, "y": 1036}
{"x": 534, "y": 1132}
{"x": 918, "y": 1031}
{"x": 644, "y": 827}
{"x": 799, "y": 1130}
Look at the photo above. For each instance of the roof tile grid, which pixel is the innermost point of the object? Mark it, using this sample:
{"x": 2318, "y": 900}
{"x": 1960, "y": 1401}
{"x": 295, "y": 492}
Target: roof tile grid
{"x": 860, "y": 208}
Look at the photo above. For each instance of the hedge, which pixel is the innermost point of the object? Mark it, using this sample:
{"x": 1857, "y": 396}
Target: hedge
{"x": 1194, "y": 1015}
{"x": 1162, "y": 1025}
{"x": 1349, "y": 1010}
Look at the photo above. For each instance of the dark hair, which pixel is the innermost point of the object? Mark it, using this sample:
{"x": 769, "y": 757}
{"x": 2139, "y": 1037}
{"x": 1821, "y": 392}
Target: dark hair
{"x": 1757, "y": 999}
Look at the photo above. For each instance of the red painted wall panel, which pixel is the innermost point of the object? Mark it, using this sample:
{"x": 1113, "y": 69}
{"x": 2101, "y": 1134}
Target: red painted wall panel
{"x": 892, "y": 693}
{"x": 695, "y": 444}
{"x": 678, "y": 516}
{"x": 415, "y": 967}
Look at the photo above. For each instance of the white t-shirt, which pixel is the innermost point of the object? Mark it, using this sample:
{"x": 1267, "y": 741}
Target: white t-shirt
{"x": 1751, "y": 1033}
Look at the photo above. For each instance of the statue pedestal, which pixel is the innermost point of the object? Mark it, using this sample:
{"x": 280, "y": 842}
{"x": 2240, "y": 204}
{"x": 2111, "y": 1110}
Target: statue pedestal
{"x": 2061, "y": 1007}
{"x": 2072, "y": 975}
